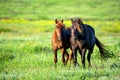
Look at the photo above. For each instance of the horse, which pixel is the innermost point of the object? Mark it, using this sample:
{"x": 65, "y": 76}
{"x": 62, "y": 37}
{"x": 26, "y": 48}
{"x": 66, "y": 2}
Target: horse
{"x": 61, "y": 41}
{"x": 83, "y": 38}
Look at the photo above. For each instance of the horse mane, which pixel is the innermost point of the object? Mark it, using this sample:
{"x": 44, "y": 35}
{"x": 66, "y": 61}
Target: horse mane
{"x": 81, "y": 25}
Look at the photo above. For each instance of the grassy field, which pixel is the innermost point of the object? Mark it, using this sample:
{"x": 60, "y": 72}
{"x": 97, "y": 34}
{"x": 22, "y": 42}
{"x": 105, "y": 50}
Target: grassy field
{"x": 25, "y": 39}
{"x": 25, "y": 52}
{"x": 52, "y": 9}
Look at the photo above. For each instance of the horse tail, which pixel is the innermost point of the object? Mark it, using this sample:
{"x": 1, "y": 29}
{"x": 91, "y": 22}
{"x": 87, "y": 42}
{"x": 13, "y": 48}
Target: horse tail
{"x": 103, "y": 51}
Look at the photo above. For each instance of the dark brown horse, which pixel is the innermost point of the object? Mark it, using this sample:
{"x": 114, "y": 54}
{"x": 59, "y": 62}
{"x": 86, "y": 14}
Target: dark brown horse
{"x": 61, "y": 40}
{"x": 83, "y": 38}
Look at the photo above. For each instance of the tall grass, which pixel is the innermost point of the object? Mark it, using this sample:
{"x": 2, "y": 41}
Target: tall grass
{"x": 25, "y": 39}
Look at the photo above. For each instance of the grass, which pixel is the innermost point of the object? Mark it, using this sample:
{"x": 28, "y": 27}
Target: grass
{"x": 25, "y": 53}
{"x": 25, "y": 39}
{"x": 39, "y": 9}
{"x": 25, "y": 26}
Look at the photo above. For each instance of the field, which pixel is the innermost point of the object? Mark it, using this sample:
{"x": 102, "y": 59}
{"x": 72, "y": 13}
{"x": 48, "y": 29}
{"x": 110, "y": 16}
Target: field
{"x": 25, "y": 39}
{"x": 51, "y": 9}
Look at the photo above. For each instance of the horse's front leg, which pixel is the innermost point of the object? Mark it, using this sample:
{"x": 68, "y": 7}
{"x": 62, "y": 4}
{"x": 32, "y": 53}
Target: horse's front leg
{"x": 74, "y": 56}
{"x": 83, "y": 57}
{"x": 74, "y": 51}
{"x": 55, "y": 57}
{"x": 63, "y": 55}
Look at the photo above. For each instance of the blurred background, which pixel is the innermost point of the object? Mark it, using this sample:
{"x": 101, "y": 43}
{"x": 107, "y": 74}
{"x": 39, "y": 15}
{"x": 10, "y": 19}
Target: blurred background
{"x": 52, "y": 9}
{"x": 104, "y": 12}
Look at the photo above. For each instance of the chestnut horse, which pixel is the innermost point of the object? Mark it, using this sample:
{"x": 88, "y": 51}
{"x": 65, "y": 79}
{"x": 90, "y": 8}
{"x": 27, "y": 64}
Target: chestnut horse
{"x": 83, "y": 38}
{"x": 61, "y": 41}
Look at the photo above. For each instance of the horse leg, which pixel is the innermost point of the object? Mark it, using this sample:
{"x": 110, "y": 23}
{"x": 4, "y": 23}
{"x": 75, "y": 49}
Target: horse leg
{"x": 89, "y": 56}
{"x": 83, "y": 57}
{"x": 70, "y": 56}
{"x": 67, "y": 56}
{"x": 55, "y": 57}
{"x": 80, "y": 52}
{"x": 63, "y": 56}
{"x": 75, "y": 57}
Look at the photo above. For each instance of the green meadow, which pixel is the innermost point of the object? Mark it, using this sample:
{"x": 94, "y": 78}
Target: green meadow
{"x": 25, "y": 39}
{"x": 51, "y": 9}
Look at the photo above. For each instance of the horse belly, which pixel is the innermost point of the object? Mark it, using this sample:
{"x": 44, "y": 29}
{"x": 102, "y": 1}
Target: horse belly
{"x": 90, "y": 43}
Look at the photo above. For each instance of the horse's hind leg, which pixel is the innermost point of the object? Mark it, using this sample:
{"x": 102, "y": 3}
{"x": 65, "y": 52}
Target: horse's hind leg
{"x": 80, "y": 52}
{"x": 55, "y": 57}
{"x": 89, "y": 56}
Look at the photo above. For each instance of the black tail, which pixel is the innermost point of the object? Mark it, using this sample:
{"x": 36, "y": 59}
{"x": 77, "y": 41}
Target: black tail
{"x": 103, "y": 51}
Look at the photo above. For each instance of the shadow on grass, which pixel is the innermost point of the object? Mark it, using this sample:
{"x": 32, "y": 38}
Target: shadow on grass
{"x": 5, "y": 30}
{"x": 6, "y": 57}
{"x": 42, "y": 49}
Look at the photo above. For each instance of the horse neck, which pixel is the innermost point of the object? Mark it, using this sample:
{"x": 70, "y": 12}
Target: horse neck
{"x": 80, "y": 35}
{"x": 68, "y": 28}
{"x": 55, "y": 37}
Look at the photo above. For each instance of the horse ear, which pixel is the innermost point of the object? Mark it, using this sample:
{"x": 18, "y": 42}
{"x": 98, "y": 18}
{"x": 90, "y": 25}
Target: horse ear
{"x": 71, "y": 20}
{"x": 80, "y": 21}
{"x": 56, "y": 21}
{"x": 62, "y": 20}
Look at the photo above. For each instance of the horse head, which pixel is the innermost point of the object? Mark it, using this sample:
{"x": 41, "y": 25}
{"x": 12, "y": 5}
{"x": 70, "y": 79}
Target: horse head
{"x": 77, "y": 25}
{"x": 58, "y": 28}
